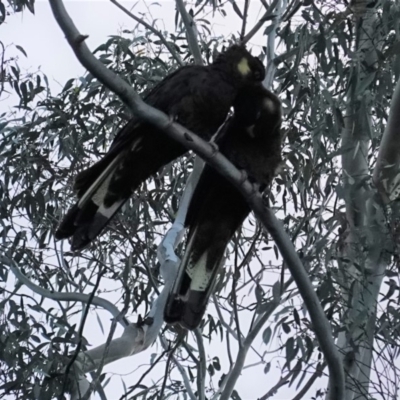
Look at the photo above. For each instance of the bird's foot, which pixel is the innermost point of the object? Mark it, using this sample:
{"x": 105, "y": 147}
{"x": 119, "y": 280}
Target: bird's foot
{"x": 171, "y": 119}
{"x": 214, "y": 148}
{"x": 256, "y": 187}
{"x": 243, "y": 176}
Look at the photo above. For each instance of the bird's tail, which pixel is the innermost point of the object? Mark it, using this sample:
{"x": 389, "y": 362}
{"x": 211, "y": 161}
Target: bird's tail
{"x": 86, "y": 219}
{"x": 193, "y": 285}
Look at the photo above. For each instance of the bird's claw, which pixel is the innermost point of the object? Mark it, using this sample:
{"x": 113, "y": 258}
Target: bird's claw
{"x": 243, "y": 176}
{"x": 214, "y": 148}
{"x": 256, "y": 187}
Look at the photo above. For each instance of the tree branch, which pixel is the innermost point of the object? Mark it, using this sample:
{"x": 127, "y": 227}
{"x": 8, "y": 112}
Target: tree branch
{"x": 266, "y": 17}
{"x": 151, "y": 29}
{"x": 317, "y": 374}
{"x": 366, "y": 237}
{"x": 232, "y": 377}
{"x": 244, "y": 22}
{"x": 75, "y": 297}
{"x": 271, "y": 67}
{"x": 96, "y": 376}
{"x": 236, "y": 8}
{"x": 218, "y": 161}
{"x": 182, "y": 371}
{"x": 191, "y": 32}
{"x": 386, "y": 175}
{"x": 283, "y": 381}
{"x": 201, "y": 373}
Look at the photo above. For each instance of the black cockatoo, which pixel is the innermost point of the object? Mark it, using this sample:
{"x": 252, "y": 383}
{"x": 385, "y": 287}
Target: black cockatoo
{"x": 198, "y": 97}
{"x": 251, "y": 140}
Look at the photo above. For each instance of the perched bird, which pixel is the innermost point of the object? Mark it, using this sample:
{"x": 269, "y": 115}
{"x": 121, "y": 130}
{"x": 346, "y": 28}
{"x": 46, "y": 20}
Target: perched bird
{"x": 198, "y": 97}
{"x": 251, "y": 140}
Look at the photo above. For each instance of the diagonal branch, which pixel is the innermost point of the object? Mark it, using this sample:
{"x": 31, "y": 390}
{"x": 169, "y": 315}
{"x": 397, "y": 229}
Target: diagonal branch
{"x": 245, "y": 15}
{"x": 191, "y": 32}
{"x": 75, "y": 297}
{"x": 230, "y": 172}
{"x": 317, "y": 374}
{"x": 151, "y": 29}
{"x": 266, "y": 17}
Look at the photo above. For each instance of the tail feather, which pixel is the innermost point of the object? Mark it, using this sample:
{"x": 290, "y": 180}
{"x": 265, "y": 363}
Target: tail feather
{"x": 67, "y": 226}
{"x": 87, "y": 177}
{"x": 98, "y": 189}
{"x": 89, "y": 224}
{"x": 192, "y": 289}
{"x": 86, "y": 219}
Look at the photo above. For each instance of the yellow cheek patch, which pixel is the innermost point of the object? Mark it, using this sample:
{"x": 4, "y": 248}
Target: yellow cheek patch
{"x": 244, "y": 67}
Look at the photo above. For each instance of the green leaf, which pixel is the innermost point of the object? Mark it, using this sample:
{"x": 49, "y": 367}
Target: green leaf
{"x": 266, "y": 336}
{"x": 2, "y": 12}
{"x": 290, "y": 350}
{"x": 21, "y": 49}
{"x": 267, "y": 368}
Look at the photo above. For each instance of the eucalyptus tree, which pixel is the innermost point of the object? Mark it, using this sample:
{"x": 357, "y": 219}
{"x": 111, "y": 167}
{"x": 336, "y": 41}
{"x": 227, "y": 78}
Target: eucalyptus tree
{"x": 335, "y": 67}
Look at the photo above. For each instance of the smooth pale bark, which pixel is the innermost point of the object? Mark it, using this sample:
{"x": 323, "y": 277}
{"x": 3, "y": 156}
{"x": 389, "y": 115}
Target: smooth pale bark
{"x": 365, "y": 241}
{"x": 387, "y": 171}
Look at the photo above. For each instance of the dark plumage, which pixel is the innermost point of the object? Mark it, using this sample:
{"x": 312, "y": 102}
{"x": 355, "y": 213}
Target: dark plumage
{"x": 251, "y": 140}
{"x": 198, "y": 97}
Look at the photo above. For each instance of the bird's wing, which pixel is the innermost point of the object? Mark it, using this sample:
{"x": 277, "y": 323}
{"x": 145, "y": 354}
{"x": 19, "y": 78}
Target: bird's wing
{"x": 190, "y": 95}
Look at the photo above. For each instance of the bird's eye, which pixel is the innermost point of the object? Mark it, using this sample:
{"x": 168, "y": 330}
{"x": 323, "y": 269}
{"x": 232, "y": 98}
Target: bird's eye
{"x": 258, "y": 75}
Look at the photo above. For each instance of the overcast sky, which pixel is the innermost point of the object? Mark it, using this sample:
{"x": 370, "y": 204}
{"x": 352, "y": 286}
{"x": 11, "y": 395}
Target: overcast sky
{"x": 48, "y": 50}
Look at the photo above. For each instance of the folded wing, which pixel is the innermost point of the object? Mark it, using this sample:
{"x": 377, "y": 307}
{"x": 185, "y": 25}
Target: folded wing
{"x": 198, "y": 97}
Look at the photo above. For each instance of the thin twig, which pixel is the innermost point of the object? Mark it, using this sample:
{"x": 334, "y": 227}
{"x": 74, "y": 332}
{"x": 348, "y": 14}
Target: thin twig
{"x": 167, "y": 364}
{"x": 234, "y": 374}
{"x": 222, "y": 320}
{"x": 80, "y": 330}
{"x": 182, "y": 371}
{"x": 270, "y": 53}
{"x": 266, "y": 17}
{"x": 275, "y": 388}
{"x": 310, "y": 382}
{"x": 292, "y": 9}
{"x": 244, "y": 22}
{"x": 2, "y": 68}
{"x": 131, "y": 389}
{"x": 75, "y": 297}
{"x": 234, "y": 297}
{"x": 236, "y": 8}
{"x": 201, "y": 374}
{"x": 96, "y": 376}
{"x": 151, "y": 29}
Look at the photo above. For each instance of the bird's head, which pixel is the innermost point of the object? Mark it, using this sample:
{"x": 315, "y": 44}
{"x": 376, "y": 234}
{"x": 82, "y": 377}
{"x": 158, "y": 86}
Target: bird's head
{"x": 258, "y": 110}
{"x": 241, "y": 65}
